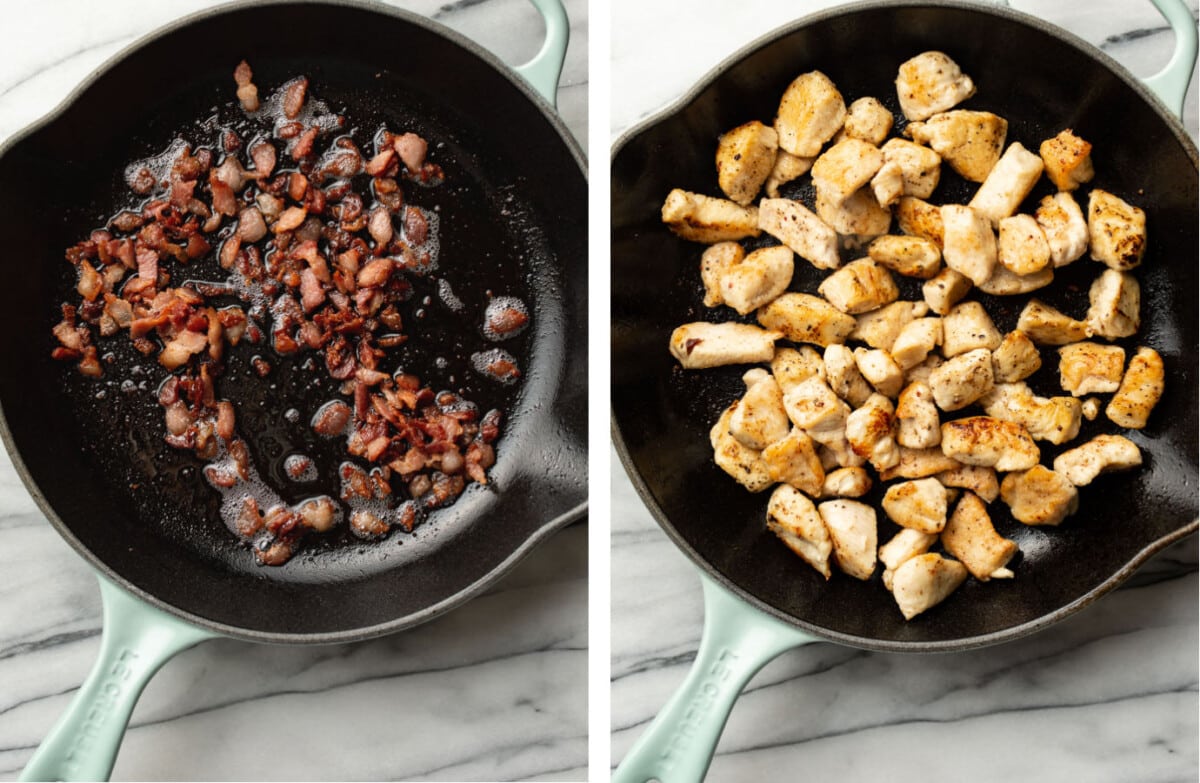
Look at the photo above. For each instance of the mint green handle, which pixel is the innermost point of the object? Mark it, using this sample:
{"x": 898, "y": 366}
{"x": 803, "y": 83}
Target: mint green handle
{"x": 542, "y": 72}
{"x": 737, "y": 641}
{"x": 1171, "y": 83}
{"x": 137, "y": 640}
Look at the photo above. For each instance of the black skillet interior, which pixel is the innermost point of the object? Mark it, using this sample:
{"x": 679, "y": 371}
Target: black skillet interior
{"x": 513, "y": 221}
{"x": 662, "y": 414}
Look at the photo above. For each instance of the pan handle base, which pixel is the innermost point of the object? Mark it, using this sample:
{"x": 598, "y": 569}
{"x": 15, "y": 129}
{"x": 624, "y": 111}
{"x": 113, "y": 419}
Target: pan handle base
{"x": 737, "y": 641}
{"x": 1171, "y": 83}
{"x": 543, "y": 71}
{"x": 137, "y": 640}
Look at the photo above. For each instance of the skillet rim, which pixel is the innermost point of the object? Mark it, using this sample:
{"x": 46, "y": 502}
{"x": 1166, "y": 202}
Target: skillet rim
{"x": 1173, "y": 123}
{"x": 530, "y": 542}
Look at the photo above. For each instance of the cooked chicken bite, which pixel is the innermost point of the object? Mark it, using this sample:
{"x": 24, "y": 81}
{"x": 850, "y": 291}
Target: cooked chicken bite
{"x": 794, "y": 518}
{"x": 869, "y": 431}
{"x": 880, "y": 370}
{"x": 813, "y": 407}
{"x": 970, "y": 537}
{"x": 715, "y": 261}
{"x": 810, "y": 112}
{"x": 846, "y": 483}
{"x": 970, "y": 141}
{"x": 1117, "y": 231}
{"x": 760, "y": 419}
{"x": 787, "y": 168}
{"x": 1054, "y": 419}
{"x": 990, "y": 442}
{"x": 920, "y": 167}
{"x": 1015, "y": 359}
{"x": 804, "y": 318}
{"x": 920, "y": 219}
{"x": 1007, "y": 184}
{"x": 793, "y": 460}
{"x": 795, "y": 226}
{"x": 915, "y": 341}
{"x": 924, "y": 581}
{"x": 880, "y": 328}
{"x": 1022, "y": 248}
{"x": 930, "y": 83}
{"x": 843, "y": 376}
{"x": 973, "y": 478}
{"x": 745, "y": 157}
{"x": 1091, "y": 408}
{"x": 1065, "y": 227}
{"x": 869, "y": 120}
{"x": 1047, "y": 326}
{"x": 845, "y": 167}
{"x": 757, "y": 278}
{"x": 700, "y": 345}
{"x": 701, "y": 218}
{"x": 1039, "y": 496}
{"x": 1115, "y": 300}
{"x": 745, "y": 465}
{"x": 919, "y": 505}
{"x": 968, "y": 327}
{"x": 907, "y": 255}
{"x": 1087, "y": 367}
{"x": 859, "y": 286}
{"x": 919, "y": 463}
{"x": 921, "y": 372}
{"x": 962, "y": 380}
{"x": 792, "y": 366}
{"x": 888, "y": 184}
{"x": 1101, "y": 454}
{"x": 1006, "y": 283}
{"x": 1068, "y": 160}
{"x": 852, "y": 527}
{"x": 944, "y": 290}
{"x": 859, "y": 215}
{"x": 905, "y": 545}
{"x": 917, "y": 416}
{"x": 968, "y": 245}
{"x": 1139, "y": 392}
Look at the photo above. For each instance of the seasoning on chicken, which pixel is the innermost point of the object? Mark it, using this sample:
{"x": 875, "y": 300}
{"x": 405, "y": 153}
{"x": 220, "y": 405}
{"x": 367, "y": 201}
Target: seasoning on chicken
{"x": 852, "y": 527}
{"x": 880, "y": 370}
{"x": 1114, "y": 308}
{"x": 794, "y": 518}
{"x": 989, "y": 442}
{"x": 804, "y": 318}
{"x": 844, "y": 377}
{"x": 1102, "y": 454}
{"x": 962, "y": 380}
{"x": 880, "y": 328}
{"x": 1047, "y": 326}
{"x": 757, "y": 278}
{"x": 970, "y": 141}
{"x": 700, "y": 218}
{"x": 915, "y": 341}
{"x": 970, "y": 537}
{"x": 810, "y": 113}
{"x": 969, "y": 245}
{"x": 1140, "y": 390}
{"x": 920, "y": 167}
{"x": 795, "y": 226}
{"x": 846, "y": 483}
{"x": 859, "y": 216}
{"x": 869, "y": 120}
{"x": 1039, "y": 496}
{"x": 792, "y": 366}
{"x": 945, "y": 289}
{"x": 1117, "y": 231}
{"x": 845, "y": 168}
{"x": 1065, "y": 227}
{"x": 1004, "y": 282}
{"x": 922, "y": 371}
{"x": 1068, "y": 160}
{"x": 793, "y": 460}
{"x": 1054, "y": 419}
{"x": 1015, "y": 359}
{"x": 974, "y": 478}
{"x": 1087, "y": 367}
{"x": 744, "y": 464}
{"x": 907, "y": 255}
{"x": 860, "y": 286}
{"x": 813, "y": 407}
{"x": 745, "y": 157}
{"x": 920, "y": 219}
{"x": 760, "y": 419}
{"x": 968, "y": 327}
{"x": 931, "y": 83}
{"x": 787, "y": 167}
{"x": 917, "y": 417}
{"x": 869, "y": 432}
{"x": 1007, "y": 184}
{"x": 919, "y": 504}
{"x": 920, "y": 463}
{"x": 699, "y": 345}
{"x": 1022, "y": 248}
{"x": 714, "y": 263}
{"x": 925, "y": 581}
{"x": 903, "y": 546}
{"x": 888, "y": 184}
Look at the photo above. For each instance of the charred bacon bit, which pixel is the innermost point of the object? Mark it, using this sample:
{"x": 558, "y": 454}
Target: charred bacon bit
{"x": 247, "y": 92}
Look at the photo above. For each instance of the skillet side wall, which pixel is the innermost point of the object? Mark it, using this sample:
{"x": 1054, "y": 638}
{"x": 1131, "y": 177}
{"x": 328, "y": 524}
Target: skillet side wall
{"x": 358, "y": 591}
{"x": 663, "y": 414}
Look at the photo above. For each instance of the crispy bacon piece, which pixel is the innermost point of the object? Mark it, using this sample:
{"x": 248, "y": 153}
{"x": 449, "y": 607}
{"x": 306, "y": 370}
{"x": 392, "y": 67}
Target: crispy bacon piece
{"x": 247, "y": 92}
{"x": 293, "y": 97}
{"x": 411, "y": 148}
{"x": 263, "y": 155}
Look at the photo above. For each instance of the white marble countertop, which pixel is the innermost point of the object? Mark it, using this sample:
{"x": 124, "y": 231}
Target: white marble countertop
{"x": 496, "y": 690}
{"x": 1107, "y": 695}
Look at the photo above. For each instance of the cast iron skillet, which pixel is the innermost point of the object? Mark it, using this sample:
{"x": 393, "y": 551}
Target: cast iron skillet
{"x": 513, "y": 216}
{"x": 661, "y": 414}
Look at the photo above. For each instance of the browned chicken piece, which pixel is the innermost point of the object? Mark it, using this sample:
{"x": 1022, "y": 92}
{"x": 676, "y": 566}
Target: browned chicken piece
{"x": 917, "y": 417}
{"x": 787, "y": 167}
{"x": 1006, "y": 283}
{"x": 919, "y": 504}
{"x": 869, "y": 120}
{"x": 1054, "y": 419}
{"x": 880, "y": 370}
{"x": 888, "y": 184}
{"x": 931, "y": 83}
{"x": 1140, "y": 390}
{"x": 945, "y": 289}
{"x": 845, "y": 168}
{"x": 757, "y": 278}
{"x": 810, "y": 113}
{"x": 1065, "y": 227}
{"x": 921, "y": 372}
{"x": 859, "y": 215}
{"x": 1015, "y": 359}
{"x": 919, "y": 463}
{"x": 1047, "y": 326}
{"x": 989, "y": 442}
{"x": 860, "y": 286}
{"x": 804, "y": 318}
{"x": 793, "y": 460}
{"x": 795, "y": 226}
{"x": 924, "y": 581}
{"x": 813, "y": 407}
{"x": 920, "y": 219}
{"x": 1114, "y": 308}
{"x": 869, "y": 432}
{"x": 1022, "y": 248}
{"x": 962, "y": 380}
{"x": 969, "y": 244}
{"x": 852, "y": 527}
{"x": 970, "y": 537}
{"x": 970, "y": 141}
{"x": 1007, "y": 184}
{"x": 701, "y": 345}
{"x": 1039, "y": 496}
{"x": 1101, "y": 454}
{"x": 1091, "y": 408}
{"x": 1068, "y": 160}
{"x": 843, "y": 376}
{"x": 1087, "y": 367}
{"x": 792, "y": 366}
{"x": 714, "y": 263}
{"x": 760, "y": 419}
{"x": 701, "y": 218}
{"x": 880, "y": 328}
{"x": 915, "y": 342}
{"x": 973, "y": 478}
{"x": 920, "y": 167}
{"x": 846, "y": 483}
{"x": 745, "y": 157}
{"x": 968, "y": 327}
{"x": 744, "y": 464}
{"x": 904, "y": 546}
{"x": 907, "y": 255}
{"x": 1117, "y": 231}
{"x": 794, "y": 518}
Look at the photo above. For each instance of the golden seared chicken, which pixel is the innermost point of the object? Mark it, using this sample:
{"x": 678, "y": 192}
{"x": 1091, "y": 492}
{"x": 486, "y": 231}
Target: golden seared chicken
{"x": 920, "y": 219}
{"x": 945, "y": 289}
{"x": 787, "y": 167}
{"x": 888, "y": 184}
{"x": 1115, "y": 301}
{"x": 1054, "y": 419}
{"x": 1022, "y": 247}
{"x": 1007, "y": 184}
{"x": 924, "y": 581}
{"x": 1065, "y": 227}
{"x": 973, "y": 478}
{"x": 793, "y": 460}
{"x": 962, "y": 380}
{"x": 813, "y": 407}
{"x": 846, "y": 167}
{"x": 919, "y": 504}
{"x": 920, "y": 463}
{"x": 917, "y": 417}
{"x": 931, "y": 83}
{"x": 810, "y": 113}
{"x": 795, "y": 226}
{"x": 700, "y": 345}
{"x": 700, "y": 218}
{"x": 907, "y": 255}
{"x": 804, "y": 318}
{"x": 869, "y": 120}
{"x": 860, "y": 286}
{"x": 968, "y": 244}
{"x": 880, "y": 370}
{"x": 859, "y": 215}
{"x": 1101, "y": 454}
{"x": 905, "y": 545}
{"x": 1004, "y": 282}
{"x": 846, "y": 483}
{"x": 1039, "y": 496}
{"x": 1068, "y": 160}
{"x": 970, "y": 141}
{"x": 1139, "y": 392}
{"x": 760, "y": 419}
{"x": 745, "y": 157}
{"x": 794, "y": 518}
{"x": 968, "y": 327}
{"x": 880, "y": 328}
{"x": 922, "y": 371}
{"x": 852, "y": 527}
{"x": 792, "y": 366}
{"x": 915, "y": 341}
{"x": 1091, "y": 408}
{"x": 1015, "y": 359}
{"x": 1117, "y": 231}
{"x": 989, "y": 442}
{"x": 715, "y": 261}
{"x": 920, "y": 167}
{"x": 744, "y": 464}
{"x": 843, "y": 376}
{"x": 970, "y": 537}
{"x": 1047, "y": 326}
{"x": 1087, "y": 368}
{"x": 757, "y": 278}
{"x": 869, "y": 432}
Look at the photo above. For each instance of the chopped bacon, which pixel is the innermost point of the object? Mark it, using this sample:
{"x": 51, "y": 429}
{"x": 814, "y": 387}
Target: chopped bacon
{"x": 290, "y": 219}
{"x": 412, "y": 149}
{"x": 90, "y": 283}
{"x": 247, "y": 92}
{"x": 225, "y": 419}
{"x": 263, "y": 155}
{"x": 379, "y": 225}
{"x": 311, "y": 292}
{"x": 375, "y": 273}
{"x": 416, "y": 225}
{"x": 249, "y": 519}
{"x": 480, "y": 456}
{"x": 251, "y": 226}
{"x": 293, "y": 97}
{"x": 147, "y": 262}
{"x": 380, "y": 164}
{"x": 178, "y": 351}
{"x": 303, "y": 146}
